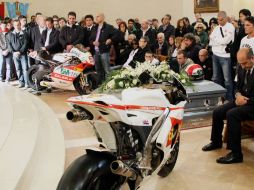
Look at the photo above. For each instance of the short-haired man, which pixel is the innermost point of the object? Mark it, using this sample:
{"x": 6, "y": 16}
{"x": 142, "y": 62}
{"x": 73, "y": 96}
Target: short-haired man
{"x": 71, "y": 34}
{"x": 149, "y": 58}
{"x": 101, "y": 39}
{"x": 89, "y": 25}
{"x": 146, "y": 30}
{"x": 50, "y": 38}
{"x": 248, "y": 41}
{"x": 166, "y": 27}
{"x": 161, "y": 46}
{"x": 206, "y": 62}
{"x": 235, "y": 111}
{"x": 220, "y": 38}
{"x": 18, "y": 45}
{"x": 194, "y": 71}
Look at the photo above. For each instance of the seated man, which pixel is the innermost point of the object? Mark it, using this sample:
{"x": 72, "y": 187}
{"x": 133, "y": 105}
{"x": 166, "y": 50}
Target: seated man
{"x": 194, "y": 71}
{"x": 149, "y": 58}
{"x": 206, "y": 62}
{"x": 235, "y": 111}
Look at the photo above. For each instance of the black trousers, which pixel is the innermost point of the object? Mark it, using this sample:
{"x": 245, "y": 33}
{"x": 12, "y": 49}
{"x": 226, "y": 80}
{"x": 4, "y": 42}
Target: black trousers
{"x": 234, "y": 115}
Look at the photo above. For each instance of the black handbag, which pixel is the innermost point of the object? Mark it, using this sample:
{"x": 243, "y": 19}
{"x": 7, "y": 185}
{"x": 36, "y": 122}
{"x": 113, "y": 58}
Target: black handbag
{"x": 228, "y": 48}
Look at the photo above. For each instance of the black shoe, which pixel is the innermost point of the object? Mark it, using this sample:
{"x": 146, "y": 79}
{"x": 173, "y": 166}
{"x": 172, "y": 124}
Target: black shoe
{"x": 212, "y": 146}
{"x": 230, "y": 158}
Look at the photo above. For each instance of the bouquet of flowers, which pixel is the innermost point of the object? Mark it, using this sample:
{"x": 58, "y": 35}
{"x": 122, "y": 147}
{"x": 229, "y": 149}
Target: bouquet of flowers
{"x": 130, "y": 77}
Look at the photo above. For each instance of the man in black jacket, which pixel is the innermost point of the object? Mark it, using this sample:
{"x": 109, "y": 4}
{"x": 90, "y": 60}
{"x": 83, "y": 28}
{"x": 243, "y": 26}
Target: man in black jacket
{"x": 235, "y": 111}
{"x": 50, "y": 38}
{"x": 101, "y": 39}
{"x": 18, "y": 45}
{"x": 190, "y": 46}
{"x": 89, "y": 25}
{"x": 71, "y": 34}
{"x": 166, "y": 27}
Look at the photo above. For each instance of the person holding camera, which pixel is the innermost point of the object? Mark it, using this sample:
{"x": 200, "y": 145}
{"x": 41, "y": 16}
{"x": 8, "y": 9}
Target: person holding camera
{"x": 221, "y": 40}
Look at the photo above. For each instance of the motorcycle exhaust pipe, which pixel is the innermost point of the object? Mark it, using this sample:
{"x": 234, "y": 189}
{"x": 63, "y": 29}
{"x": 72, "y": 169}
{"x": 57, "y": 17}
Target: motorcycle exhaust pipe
{"x": 119, "y": 168}
{"x": 77, "y": 115}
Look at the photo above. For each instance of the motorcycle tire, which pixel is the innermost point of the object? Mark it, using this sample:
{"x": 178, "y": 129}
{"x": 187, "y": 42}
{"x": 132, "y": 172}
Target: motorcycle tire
{"x": 92, "y": 84}
{"x": 90, "y": 172}
{"x": 170, "y": 164}
{"x": 35, "y": 71}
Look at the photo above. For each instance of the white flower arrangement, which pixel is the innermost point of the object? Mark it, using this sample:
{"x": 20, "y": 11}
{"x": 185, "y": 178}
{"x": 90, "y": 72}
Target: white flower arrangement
{"x": 129, "y": 77}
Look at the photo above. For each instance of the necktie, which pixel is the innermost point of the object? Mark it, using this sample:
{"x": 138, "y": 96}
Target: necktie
{"x": 248, "y": 77}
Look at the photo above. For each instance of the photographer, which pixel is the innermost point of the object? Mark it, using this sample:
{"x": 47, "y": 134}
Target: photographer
{"x": 220, "y": 39}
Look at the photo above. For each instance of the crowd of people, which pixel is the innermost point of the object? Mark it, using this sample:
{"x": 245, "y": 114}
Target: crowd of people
{"x": 213, "y": 46}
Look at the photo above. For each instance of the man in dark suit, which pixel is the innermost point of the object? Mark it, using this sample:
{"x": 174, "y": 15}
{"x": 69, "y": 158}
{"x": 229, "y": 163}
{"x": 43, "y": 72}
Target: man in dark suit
{"x": 148, "y": 32}
{"x": 71, "y": 34}
{"x": 50, "y": 38}
{"x": 235, "y": 111}
{"x": 166, "y": 27}
{"x": 89, "y": 25}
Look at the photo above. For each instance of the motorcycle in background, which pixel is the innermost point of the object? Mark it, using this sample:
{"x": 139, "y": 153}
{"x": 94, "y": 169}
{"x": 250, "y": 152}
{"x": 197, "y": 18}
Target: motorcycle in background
{"x": 138, "y": 132}
{"x": 69, "y": 71}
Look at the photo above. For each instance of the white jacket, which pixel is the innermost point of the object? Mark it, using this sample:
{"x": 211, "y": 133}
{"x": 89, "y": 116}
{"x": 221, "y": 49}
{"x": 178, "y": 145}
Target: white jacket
{"x": 218, "y": 42}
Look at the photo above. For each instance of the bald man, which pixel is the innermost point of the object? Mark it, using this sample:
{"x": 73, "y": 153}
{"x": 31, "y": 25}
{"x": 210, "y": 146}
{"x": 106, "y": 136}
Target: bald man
{"x": 206, "y": 62}
{"x": 241, "y": 109}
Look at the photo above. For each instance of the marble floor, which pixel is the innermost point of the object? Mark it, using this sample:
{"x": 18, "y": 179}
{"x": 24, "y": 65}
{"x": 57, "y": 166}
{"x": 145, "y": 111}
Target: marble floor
{"x": 194, "y": 169}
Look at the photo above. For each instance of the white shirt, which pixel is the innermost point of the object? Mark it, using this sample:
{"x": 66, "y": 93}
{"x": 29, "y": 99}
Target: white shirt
{"x": 41, "y": 29}
{"x": 131, "y": 55}
{"x": 247, "y": 42}
{"x": 47, "y": 38}
{"x": 218, "y": 42}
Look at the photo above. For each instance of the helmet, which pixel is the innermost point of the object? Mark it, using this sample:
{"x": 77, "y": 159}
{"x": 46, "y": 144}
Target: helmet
{"x": 195, "y": 72}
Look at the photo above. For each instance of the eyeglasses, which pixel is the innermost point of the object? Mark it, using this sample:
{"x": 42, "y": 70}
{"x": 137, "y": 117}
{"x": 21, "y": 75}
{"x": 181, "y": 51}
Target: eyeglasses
{"x": 199, "y": 27}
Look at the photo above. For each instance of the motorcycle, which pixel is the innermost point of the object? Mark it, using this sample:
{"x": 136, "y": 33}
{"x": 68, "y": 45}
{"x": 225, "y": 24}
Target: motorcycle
{"x": 138, "y": 131}
{"x": 69, "y": 71}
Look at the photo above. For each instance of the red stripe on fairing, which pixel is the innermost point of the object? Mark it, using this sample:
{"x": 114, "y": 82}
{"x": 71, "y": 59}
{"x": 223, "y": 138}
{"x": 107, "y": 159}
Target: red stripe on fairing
{"x": 62, "y": 77}
{"x": 174, "y": 122}
{"x": 125, "y": 107}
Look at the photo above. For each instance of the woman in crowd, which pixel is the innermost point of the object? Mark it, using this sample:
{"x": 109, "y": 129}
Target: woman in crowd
{"x": 178, "y": 42}
{"x": 180, "y": 29}
{"x": 171, "y": 46}
{"x": 134, "y": 46}
{"x": 200, "y": 31}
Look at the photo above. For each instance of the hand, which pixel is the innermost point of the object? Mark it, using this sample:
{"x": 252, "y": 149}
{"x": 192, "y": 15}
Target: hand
{"x": 5, "y": 52}
{"x": 16, "y": 54}
{"x": 108, "y": 41}
{"x": 69, "y": 47}
{"x": 241, "y": 100}
{"x": 95, "y": 43}
{"x": 43, "y": 48}
{"x": 32, "y": 54}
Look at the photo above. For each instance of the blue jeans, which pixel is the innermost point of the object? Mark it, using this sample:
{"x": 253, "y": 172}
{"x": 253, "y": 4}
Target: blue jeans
{"x": 222, "y": 74}
{"x": 6, "y": 66}
{"x": 21, "y": 68}
{"x": 102, "y": 65}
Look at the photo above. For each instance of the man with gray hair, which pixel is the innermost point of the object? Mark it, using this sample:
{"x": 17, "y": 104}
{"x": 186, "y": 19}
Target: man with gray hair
{"x": 220, "y": 40}
{"x": 161, "y": 46}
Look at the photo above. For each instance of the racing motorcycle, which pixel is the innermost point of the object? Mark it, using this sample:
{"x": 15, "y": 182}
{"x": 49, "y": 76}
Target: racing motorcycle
{"x": 138, "y": 131}
{"x": 69, "y": 71}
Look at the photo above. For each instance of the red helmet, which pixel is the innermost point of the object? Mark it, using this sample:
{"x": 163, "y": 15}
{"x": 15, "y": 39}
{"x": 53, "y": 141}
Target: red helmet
{"x": 195, "y": 72}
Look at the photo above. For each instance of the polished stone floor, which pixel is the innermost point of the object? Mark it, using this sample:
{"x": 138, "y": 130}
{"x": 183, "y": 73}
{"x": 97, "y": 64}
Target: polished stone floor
{"x": 194, "y": 170}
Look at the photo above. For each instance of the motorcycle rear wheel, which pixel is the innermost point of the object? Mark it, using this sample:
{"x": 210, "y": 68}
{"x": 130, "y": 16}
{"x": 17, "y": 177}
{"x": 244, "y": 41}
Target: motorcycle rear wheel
{"x": 90, "y": 172}
{"x": 170, "y": 164}
{"x": 37, "y": 72}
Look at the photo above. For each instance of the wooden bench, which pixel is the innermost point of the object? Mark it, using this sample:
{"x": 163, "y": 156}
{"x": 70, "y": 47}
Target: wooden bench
{"x": 247, "y": 130}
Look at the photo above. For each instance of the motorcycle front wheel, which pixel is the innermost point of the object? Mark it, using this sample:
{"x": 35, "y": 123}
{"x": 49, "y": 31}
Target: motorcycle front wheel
{"x": 35, "y": 75}
{"x": 170, "y": 164}
{"x": 90, "y": 172}
{"x": 85, "y": 83}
